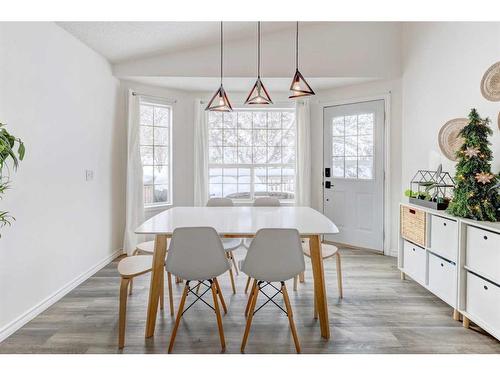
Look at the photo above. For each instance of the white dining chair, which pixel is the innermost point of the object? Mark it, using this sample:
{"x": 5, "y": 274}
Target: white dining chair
{"x": 275, "y": 255}
{"x": 128, "y": 268}
{"x": 327, "y": 251}
{"x": 196, "y": 254}
{"x": 230, "y": 244}
{"x": 259, "y": 202}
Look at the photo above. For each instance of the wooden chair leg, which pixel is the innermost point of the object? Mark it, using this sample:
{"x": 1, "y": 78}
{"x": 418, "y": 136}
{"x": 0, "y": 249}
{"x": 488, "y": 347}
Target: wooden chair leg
{"x": 339, "y": 275}
{"x": 170, "y": 295}
{"x": 219, "y": 318}
{"x": 456, "y": 315}
{"x": 248, "y": 284}
{"x": 198, "y": 288}
{"x": 231, "y": 276}
{"x": 219, "y": 292}
{"x": 178, "y": 319}
{"x": 302, "y": 278}
{"x": 315, "y": 307}
{"x": 122, "y": 312}
{"x": 290, "y": 317}
{"x": 234, "y": 263}
{"x": 131, "y": 284}
{"x": 162, "y": 292}
{"x": 295, "y": 279}
{"x": 253, "y": 298}
{"x": 249, "y": 302}
{"x": 466, "y": 322}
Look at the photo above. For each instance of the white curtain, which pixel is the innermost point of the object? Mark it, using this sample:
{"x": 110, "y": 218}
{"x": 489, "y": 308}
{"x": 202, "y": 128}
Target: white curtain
{"x": 200, "y": 154}
{"x": 303, "y": 175}
{"x": 134, "y": 195}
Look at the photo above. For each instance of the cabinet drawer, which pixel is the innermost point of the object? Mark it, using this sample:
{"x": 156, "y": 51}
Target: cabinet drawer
{"x": 413, "y": 225}
{"x": 443, "y": 279}
{"x": 414, "y": 262}
{"x": 483, "y": 302}
{"x": 483, "y": 253}
{"x": 444, "y": 237}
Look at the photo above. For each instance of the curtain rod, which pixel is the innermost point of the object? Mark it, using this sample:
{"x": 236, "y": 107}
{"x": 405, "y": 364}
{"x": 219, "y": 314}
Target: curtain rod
{"x": 134, "y": 93}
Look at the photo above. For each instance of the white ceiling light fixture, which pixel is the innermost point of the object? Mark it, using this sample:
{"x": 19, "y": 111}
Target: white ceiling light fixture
{"x": 299, "y": 86}
{"x": 258, "y": 94}
{"x": 220, "y": 101}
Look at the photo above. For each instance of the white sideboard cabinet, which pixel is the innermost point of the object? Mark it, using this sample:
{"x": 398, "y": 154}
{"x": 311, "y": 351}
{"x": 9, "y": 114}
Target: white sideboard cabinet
{"x": 456, "y": 259}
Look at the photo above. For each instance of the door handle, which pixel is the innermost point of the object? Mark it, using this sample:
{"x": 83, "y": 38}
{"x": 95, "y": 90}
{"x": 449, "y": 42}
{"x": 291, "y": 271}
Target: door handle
{"x": 328, "y": 185}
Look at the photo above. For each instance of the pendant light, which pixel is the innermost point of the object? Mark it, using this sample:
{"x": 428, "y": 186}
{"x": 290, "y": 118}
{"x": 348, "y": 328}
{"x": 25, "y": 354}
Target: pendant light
{"x": 299, "y": 86}
{"x": 258, "y": 94}
{"x": 219, "y": 101}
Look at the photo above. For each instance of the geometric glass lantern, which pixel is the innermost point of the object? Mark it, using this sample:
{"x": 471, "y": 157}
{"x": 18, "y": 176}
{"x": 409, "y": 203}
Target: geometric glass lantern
{"x": 299, "y": 86}
{"x": 258, "y": 94}
{"x": 220, "y": 101}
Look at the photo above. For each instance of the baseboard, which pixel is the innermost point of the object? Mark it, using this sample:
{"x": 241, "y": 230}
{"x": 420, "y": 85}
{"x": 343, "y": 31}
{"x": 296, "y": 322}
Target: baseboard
{"x": 20, "y": 321}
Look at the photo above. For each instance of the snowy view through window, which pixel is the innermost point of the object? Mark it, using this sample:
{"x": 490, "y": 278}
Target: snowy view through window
{"x": 155, "y": 123}
{"x": 252, "y": 154}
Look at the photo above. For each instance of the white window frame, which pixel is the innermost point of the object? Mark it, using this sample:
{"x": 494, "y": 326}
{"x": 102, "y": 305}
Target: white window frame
{"x": 254, "y": 166}
{"x": 158, "y": 102}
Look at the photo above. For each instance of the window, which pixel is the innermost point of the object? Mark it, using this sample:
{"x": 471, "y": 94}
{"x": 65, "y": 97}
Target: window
{"x": 252, "y": 153}
{"x": 155, "y": 146}
{"x": 352, "y": 146}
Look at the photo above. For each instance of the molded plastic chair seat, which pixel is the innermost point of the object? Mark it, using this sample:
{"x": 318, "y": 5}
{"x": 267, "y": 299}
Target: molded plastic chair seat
{"x": 275, "y": 255}
{"x": 197, "y": 254}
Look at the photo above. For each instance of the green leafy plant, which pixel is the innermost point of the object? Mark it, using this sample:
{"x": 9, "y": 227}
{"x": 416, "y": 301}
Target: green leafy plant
{"x": 12, "y": 150}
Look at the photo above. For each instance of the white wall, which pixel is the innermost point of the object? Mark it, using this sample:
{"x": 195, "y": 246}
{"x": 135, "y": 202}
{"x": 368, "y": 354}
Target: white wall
{"x": 355, "y": 93}
{"x": 443, "y": 67}
{"x": 182, "y": 138}
{"x": 61, "y": 99}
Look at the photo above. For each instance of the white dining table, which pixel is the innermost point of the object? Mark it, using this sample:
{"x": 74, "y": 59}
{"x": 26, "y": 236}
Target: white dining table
{"x": 239, "y": 222}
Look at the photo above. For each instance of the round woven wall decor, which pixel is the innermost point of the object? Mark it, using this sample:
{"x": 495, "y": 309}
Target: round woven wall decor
{"x": 449, "y": 141}
{"x": 490, "y": 84}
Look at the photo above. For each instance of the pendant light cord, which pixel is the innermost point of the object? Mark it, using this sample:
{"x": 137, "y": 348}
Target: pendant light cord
{"x": 221, "y": 53}
{"x": 297, "y": 46}
{"x": 258, "y": 49}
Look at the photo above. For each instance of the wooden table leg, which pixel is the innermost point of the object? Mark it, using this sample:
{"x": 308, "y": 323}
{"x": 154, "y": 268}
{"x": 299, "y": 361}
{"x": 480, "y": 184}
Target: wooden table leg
{"x": 319, "y": 285}
{"x": 157, "y": 276}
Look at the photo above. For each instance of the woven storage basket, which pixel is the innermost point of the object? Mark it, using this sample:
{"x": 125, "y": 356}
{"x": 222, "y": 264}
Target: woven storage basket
{"x": 413, "y": 225}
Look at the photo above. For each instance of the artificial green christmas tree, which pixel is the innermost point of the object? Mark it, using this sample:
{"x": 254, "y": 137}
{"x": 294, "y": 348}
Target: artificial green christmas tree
{"x": 476, "y": 194}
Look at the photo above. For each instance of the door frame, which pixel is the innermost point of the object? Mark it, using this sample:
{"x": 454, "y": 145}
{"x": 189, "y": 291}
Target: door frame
{"x": 386, "y": 97}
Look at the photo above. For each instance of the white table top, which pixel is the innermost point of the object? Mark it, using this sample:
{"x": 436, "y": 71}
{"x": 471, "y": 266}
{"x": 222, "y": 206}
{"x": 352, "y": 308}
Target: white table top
{"x": 239, "y": 220}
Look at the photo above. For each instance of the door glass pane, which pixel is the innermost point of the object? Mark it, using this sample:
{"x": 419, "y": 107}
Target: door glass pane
{"x": 351, "y": 167}
{"x": 338, "y": 167}
{"x": 352, "y": 147}
{"x": 365, "y": 167}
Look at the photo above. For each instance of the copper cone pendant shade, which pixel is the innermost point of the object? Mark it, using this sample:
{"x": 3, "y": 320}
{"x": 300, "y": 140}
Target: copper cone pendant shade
{"x": 299, "y": 86}
{"x": 219, "y": 102}
{"x": 258, "y": 94}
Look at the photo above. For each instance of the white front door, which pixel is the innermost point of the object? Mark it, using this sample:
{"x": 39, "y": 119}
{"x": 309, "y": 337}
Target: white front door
{"x": 353, "y": 173}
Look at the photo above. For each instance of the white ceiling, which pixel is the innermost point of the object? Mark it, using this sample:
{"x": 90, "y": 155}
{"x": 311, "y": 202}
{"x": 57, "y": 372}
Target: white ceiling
{"x": 243, "y": 84}
{"x": 120, "y": 41}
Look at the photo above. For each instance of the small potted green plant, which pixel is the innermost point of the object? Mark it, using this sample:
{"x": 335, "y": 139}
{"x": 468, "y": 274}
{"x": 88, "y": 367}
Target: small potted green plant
{"x": 12, "y": 150}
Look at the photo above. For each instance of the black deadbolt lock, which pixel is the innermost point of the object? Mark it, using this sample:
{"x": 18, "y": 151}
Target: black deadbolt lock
{"x": 327, "y": 172}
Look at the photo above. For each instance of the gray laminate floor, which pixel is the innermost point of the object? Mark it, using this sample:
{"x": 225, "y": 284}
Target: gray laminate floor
{"x": 379, "y": 314}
